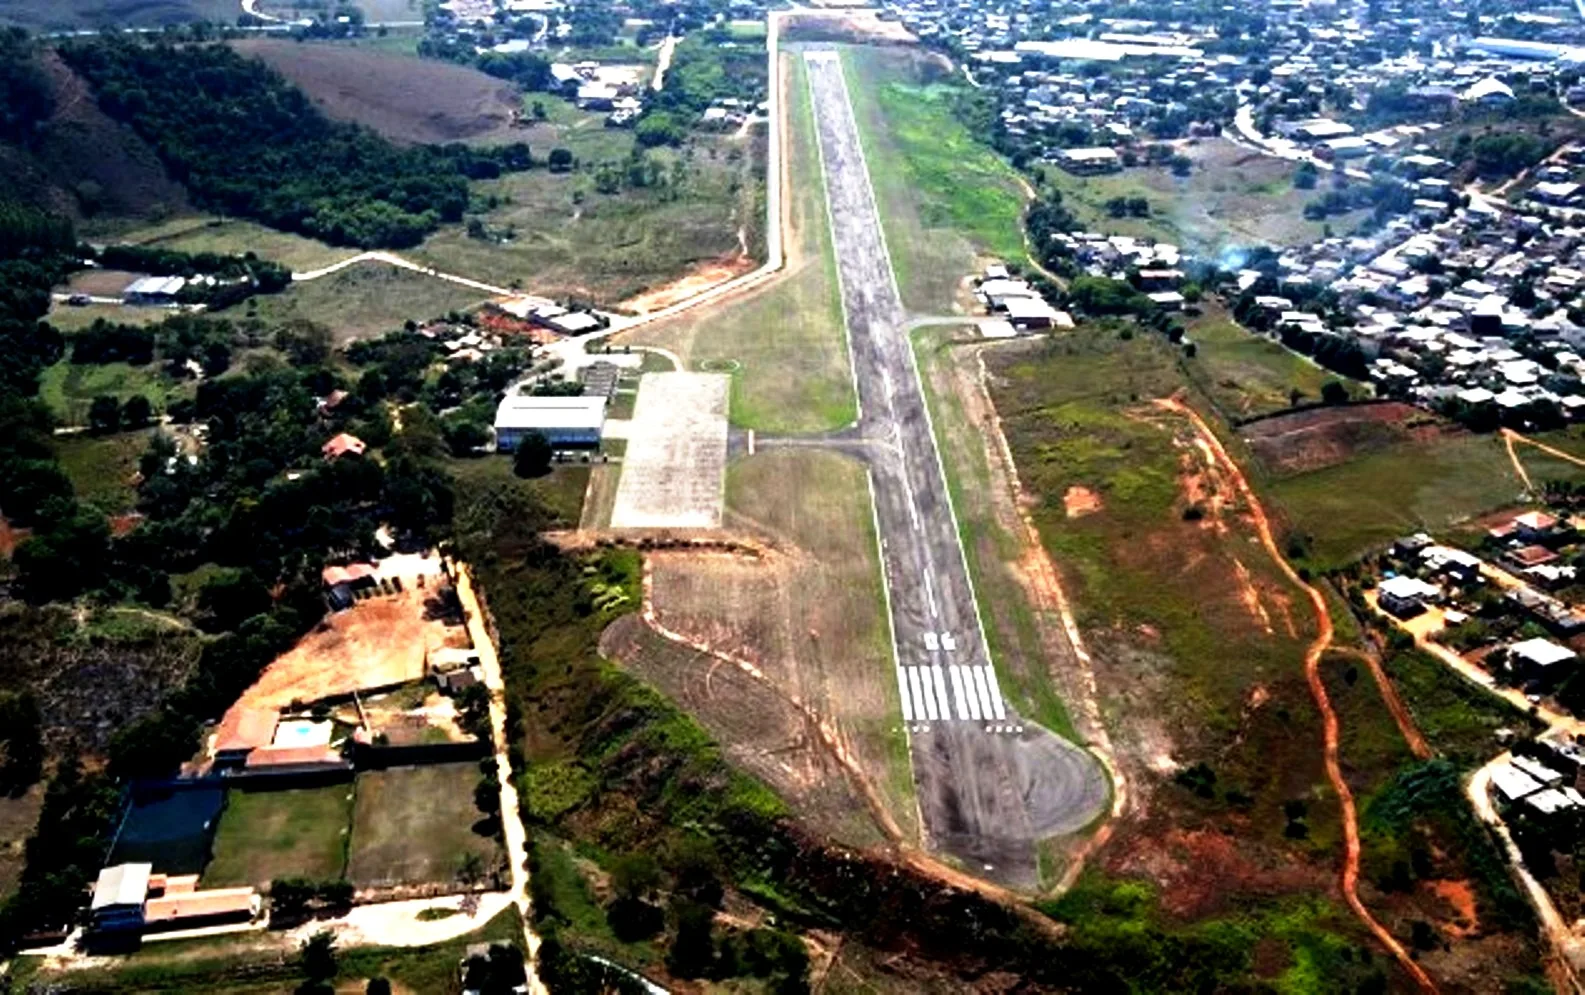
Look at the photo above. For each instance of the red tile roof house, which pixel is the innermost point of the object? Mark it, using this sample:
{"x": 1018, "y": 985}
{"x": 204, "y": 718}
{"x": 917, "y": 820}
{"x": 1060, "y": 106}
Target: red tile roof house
{"x": 343, "y": 445}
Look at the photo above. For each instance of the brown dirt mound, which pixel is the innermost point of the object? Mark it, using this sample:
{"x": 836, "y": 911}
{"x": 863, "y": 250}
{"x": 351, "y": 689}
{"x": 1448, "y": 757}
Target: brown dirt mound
{"x": 1080, "y": 501}
{"x": 83, "y": 164}
{"x": 404, "y": 98}
{"x": 1315, "y": 439}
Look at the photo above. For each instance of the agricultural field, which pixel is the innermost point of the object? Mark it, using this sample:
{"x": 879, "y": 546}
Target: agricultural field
{"x": 405, "y": 98}
{"x": 293, "y": 832}
{"x": 785, "y": 344}
{"x": 414, "y": 825}
{"x": 945, "y": 199}
{"x": 1245, "y": 374}
{"x": 810, "y": 617}
{"x": 362, "y": 301}
{"x": 1232, "y": 198}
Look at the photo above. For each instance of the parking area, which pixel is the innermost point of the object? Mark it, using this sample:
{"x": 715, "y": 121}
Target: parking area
{"x": 673, "y": 473}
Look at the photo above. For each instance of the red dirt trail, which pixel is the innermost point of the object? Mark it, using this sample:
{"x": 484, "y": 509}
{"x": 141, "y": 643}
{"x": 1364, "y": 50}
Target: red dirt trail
{"x": 1312, "y": 673}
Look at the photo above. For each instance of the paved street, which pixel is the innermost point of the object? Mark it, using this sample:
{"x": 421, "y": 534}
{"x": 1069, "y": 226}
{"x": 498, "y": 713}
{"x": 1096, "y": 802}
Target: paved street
{"x": 990, "y": 784}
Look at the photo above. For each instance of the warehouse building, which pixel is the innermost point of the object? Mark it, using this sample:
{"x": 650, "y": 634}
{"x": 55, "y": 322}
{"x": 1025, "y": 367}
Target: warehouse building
{"x": 567, "y": 422}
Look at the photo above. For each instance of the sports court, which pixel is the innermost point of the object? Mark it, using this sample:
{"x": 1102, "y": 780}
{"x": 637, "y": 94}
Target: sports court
{"x": 673, "y": 473}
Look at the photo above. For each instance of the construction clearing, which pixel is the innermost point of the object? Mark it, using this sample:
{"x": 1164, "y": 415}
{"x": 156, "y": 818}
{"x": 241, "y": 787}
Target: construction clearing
{"x": 674, "y": 471}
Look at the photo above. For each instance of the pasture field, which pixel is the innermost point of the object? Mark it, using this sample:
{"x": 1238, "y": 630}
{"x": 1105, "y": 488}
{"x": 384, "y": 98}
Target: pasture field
{"x": 414, "y": 825}
{"x": 46, "y": 15}
{"x": 810, "y": 616}
{"x": 102, "y": 468}
{"x": 362, "y": 301}
{"x": 1246, "y": 374}
{"x": 785, "y": 344}
{"x": 230, "y": 236}
{"x": 1341, "y": 511}
{"x": 403, "y": 97}
{"x": 944, "y": 198}
{"x": 267, "y": 834}
{"x": 1232, "y": 198}
{"x": 565, "y": 239}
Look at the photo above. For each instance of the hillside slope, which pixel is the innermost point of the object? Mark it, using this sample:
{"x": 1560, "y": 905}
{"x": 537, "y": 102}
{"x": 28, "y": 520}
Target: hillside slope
{"x": 85, "y": 165}
{"x": 402, "y": 97}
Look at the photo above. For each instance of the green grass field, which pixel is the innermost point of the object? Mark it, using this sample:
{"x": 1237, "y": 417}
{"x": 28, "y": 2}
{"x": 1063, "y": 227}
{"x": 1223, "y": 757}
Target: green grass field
{"x": 298, "y": 832}
{"x": 1348, "y": 509}
{"x": 944, "y": 198}
{"x": 786, "y": 344}
{"x": 413, "y": 825}
{"x": 363, "y": 301}
{"x": 69, "y": 388}
{"x": 233, "y": 237}
{"x": 1247, "y": 374}
{"x": 102, "y": 468}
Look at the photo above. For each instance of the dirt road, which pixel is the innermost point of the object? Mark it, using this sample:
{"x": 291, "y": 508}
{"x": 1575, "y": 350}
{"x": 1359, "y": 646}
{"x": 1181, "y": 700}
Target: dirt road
{"x": 511, "y": 813}
{"x": 1312, "y": 673}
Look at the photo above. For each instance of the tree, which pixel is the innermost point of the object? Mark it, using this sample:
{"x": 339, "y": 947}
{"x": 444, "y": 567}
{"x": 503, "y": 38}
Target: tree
{"x": 692, "y": 949}
{"x": 659, "y": 128}
{"x": 137, "y": 412}
{"x": 21, "y": 742}
{"x": 104, "y": 414}
{"x": 533, "y": 456}
{"x": 377, "y": 986}
{"x": 318, "y": 958}
{"x": 1333, "y": 392}
{"x": 560, "y": 160}
{"x": 1304, "y": 177}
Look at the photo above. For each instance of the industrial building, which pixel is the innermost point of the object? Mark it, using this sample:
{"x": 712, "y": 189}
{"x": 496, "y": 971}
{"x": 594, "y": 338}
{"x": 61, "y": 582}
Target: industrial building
{"x": 567, "y": 422}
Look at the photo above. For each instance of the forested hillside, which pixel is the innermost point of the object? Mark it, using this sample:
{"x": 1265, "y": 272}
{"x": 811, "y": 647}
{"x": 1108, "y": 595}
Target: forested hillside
{"x": 247, "y": 143}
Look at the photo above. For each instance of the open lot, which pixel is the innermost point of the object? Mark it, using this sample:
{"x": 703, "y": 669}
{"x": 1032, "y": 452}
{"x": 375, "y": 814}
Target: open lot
{"x": 414, "y": 826}
{"x": 380, "y": 642}
{"x": 944, "y": 198}
{"x": 270, "y": 833}
{"x": 1302, "y": 441}
{"x": 570, "y": 240}
{"x": 1247, "y": 374}
{"x": 784, "y": 343}
{"x": 1232, "y": 198}
{"x": 103, "y": 469}
{"x": 405, "y": 98}
{"x": 364, "y": 301}
{"x": 673, "y": 471}
{"x": 810, "y": 616}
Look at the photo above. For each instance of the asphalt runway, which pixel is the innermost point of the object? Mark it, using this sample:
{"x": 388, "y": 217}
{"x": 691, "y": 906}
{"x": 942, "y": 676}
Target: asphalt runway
{"x": 990, "y": 785}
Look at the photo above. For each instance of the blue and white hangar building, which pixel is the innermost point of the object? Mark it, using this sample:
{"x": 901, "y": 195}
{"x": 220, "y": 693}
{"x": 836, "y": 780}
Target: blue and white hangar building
{"x": 567, "y": 422}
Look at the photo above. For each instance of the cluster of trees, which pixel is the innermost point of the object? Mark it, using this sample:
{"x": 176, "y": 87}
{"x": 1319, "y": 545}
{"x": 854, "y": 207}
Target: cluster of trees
{"x": 707, "y": 67}
{"x": 176, "y": 341}
{"x": 1500, "y": 155}
{"x": 245, "y": 142}
{"x": 1339, "y": 353}
{"x": 64, "y": 853}
{"x": 26, "y": 98}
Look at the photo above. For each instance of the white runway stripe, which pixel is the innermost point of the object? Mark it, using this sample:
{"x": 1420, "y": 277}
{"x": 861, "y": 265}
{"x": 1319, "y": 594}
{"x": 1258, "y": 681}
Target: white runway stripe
{"x": 940, "y": 681}
{"x": 996, "y": 694}
{"x": 926, "y": 702}
{"x": 907, "y": 699}
{"x": 956, "y": 674}
{"x": 977, "y": 680}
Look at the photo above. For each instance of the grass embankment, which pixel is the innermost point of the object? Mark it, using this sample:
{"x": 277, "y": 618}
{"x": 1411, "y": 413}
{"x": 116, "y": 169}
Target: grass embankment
{"x": 786, "y": 345}
{"x": 944, "y": 198}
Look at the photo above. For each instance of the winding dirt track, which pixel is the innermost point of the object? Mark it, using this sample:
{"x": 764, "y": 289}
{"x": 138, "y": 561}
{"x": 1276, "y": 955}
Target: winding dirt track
{"x": 1312, "y": 673}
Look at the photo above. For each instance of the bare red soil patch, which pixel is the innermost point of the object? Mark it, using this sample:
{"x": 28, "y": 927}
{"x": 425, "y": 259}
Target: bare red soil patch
{"x": 1322, "y": 437}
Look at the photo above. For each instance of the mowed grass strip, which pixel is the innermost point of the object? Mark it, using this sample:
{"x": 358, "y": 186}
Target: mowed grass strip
{"x": 295, "y": 832}
{"x": 944, "y": 197}
{"x": 414, "y": 825}
{"x": 788, "y": 341}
